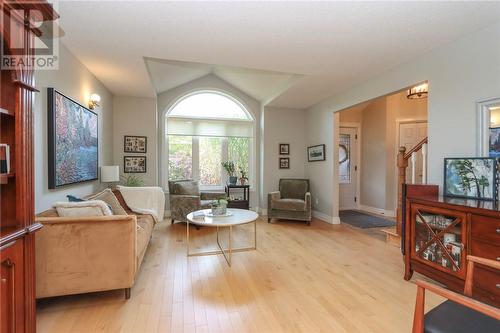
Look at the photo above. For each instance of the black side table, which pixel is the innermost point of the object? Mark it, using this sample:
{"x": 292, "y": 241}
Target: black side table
{"x": 242, "y": 204}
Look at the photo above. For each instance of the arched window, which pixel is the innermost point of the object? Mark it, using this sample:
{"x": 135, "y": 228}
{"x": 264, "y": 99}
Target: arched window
{"x": 203, "y": 129}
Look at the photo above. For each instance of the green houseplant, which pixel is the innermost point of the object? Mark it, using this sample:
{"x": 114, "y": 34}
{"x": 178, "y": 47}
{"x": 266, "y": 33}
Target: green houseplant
{"x": 243, "y": 176}
{"x": 219, "y": 207}
{"x": 230, "y": 169}
{"x": 132, "y": 181}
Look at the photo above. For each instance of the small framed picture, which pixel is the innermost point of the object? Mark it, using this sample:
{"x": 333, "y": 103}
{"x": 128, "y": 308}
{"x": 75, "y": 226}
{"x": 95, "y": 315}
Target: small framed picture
{"x": 134, "y": 164}
{"x": 316, "y": 153}
{"x": 135, "y": 144}
{"x": 284, "y": 149}
{"x": 284, "y": 163}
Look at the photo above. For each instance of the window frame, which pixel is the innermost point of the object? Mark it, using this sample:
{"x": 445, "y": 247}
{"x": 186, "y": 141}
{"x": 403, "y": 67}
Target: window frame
{"x": 164, "y": 170}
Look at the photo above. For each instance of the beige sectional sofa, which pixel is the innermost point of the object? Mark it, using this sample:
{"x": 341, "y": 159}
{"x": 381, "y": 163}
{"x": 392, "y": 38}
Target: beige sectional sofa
{"x": 79, "y": 255}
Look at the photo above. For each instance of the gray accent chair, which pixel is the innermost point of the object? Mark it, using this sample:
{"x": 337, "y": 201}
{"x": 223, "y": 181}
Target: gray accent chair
{"x": 185, "y": 197}
{"x": 291, "y": 202}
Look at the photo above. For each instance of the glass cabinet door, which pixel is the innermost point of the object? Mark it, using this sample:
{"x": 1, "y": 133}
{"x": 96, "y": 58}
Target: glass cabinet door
{"x": 439, "y": 239}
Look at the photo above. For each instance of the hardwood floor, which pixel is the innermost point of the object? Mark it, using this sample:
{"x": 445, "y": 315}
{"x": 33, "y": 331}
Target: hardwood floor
{"x": 322, "y": 278}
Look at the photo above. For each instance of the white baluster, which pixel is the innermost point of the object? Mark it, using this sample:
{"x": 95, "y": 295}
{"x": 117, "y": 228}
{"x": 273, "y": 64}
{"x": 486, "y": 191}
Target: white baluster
{"x": 413, "y": 160}
{"x": 424, "y": 162}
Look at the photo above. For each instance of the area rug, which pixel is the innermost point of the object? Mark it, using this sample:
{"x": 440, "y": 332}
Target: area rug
{"x": 363, "y": 220}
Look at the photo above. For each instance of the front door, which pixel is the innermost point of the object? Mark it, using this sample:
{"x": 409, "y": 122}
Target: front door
{"x": 348, "y": 168}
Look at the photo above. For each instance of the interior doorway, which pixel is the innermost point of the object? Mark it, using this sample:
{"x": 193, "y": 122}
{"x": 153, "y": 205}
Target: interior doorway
{"x": 348, "y": 166}
{"x": 410, "y": 133}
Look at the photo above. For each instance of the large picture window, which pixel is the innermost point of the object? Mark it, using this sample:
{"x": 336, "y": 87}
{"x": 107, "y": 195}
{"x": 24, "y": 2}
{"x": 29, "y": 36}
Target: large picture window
{"x": 203, "y": 130}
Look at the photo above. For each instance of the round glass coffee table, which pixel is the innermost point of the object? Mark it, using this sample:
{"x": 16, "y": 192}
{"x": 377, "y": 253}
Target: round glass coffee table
{"x": 233, "y": 218}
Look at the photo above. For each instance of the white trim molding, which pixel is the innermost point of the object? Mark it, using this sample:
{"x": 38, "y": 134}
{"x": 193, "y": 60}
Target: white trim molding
{"x": 325, "y": 218}
{"x": 379, "y": 211}
{"x": 483, "y": 124}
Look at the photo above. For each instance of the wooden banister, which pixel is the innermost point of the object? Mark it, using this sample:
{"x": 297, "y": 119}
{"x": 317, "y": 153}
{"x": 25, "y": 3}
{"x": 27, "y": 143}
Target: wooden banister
{"x": 402, "y": 164}
{"x": 417, "y": 147}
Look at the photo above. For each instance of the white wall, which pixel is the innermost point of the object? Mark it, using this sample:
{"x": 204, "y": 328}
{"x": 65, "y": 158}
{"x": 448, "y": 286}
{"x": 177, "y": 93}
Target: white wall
{"x": 136, "y": 116}
{"x": 166, "y": 99}
{"x": 459, "y": 74}
{"x": 74, "y": 80}
{"x": 373, "y": 155}
{"x": 283, "y": 126}
{"x": 319, "y": 130}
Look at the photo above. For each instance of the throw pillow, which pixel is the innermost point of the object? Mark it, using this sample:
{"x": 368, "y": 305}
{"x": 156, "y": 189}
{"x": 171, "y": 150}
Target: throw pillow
{"x": 72, "y": 198}
{"x": 82, "y": 208}
{"x": 109, "y": 197}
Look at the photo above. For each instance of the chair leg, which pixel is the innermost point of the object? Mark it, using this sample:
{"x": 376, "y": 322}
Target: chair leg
{"x": 268, "y": 220}
{"x": 127, "y": 293}
{"x": 308, "y": 222}
{"x": 172, "y": 220}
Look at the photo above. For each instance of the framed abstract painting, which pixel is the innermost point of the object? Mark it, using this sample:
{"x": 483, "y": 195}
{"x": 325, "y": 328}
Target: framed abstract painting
{"x": 73, "y": 143}
{"x": 472, "y": 178}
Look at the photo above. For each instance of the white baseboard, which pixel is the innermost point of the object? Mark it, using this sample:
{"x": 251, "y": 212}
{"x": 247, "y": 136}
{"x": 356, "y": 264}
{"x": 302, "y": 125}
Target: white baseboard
{"x": 325, "y": 218}
{"x": 380, "y": 211}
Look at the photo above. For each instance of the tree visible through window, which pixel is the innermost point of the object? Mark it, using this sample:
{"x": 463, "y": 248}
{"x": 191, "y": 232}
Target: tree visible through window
{"x": 180, "y": 160}
{"x": 204, "y": 130}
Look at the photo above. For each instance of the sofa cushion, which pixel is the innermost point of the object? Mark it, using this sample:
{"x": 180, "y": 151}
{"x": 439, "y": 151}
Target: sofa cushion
{"x": 145, "y": 225}
{"x": 296, "y": 205}
{"x": 146, "y": 222}
{"x": 82, "y": 209}
{"x": 453, "y": 317}
{"x": 184, "y": 187}
{"x": 108, "y": 196}
{"x": 294, "y": 188}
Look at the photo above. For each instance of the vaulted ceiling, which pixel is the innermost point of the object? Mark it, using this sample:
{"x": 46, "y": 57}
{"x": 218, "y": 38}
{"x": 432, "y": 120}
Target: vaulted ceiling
{"x": 289, "y": 54}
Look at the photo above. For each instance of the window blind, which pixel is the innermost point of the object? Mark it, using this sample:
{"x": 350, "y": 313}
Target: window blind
{"x": 209, "y": 127}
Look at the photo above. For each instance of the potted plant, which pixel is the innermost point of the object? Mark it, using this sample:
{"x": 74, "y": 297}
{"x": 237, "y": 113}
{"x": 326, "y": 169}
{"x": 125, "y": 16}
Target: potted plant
{"x": 219, "y": 207}
{"x": 243, "y": 176}
{"x": 230, "y": 169}
{"x": 132, "y": 181}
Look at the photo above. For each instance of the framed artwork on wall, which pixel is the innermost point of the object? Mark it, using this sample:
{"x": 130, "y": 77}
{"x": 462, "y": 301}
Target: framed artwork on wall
{"x": 73, "y": 141}
{"x": 284, "y": 149}
{"x": 134, "y": 164}
{"x": 316, "y": 153}
{"x": 284, "y": 163}
{"x": 135, "y": 144}
{"x": 473, "y": 178}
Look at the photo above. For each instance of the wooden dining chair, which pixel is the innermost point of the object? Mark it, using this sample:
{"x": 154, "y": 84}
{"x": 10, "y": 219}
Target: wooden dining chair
{"x": 460, "y": 313}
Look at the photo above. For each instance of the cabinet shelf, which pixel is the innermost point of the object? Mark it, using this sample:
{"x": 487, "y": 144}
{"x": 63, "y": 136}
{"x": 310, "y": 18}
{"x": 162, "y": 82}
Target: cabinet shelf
{"x": 6, "y": 112}
{"x": 4, "y": 177}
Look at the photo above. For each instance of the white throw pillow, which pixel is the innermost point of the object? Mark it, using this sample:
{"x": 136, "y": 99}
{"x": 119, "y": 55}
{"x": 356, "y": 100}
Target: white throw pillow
{"x": 82, "y": 208}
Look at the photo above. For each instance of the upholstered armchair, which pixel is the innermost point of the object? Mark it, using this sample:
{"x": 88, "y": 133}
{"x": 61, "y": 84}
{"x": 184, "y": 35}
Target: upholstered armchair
{"x": 185, "y": 197}
{"x": 291, "y": 202}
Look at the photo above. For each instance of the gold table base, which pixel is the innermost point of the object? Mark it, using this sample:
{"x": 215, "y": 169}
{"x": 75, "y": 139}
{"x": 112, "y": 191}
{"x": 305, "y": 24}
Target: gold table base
{"x": 226, "y": 252}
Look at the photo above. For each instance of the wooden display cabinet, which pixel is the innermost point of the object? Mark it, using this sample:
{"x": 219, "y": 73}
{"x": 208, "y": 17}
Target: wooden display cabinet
{"x": 17, "y": 226}
{"x": 441, "y": 232}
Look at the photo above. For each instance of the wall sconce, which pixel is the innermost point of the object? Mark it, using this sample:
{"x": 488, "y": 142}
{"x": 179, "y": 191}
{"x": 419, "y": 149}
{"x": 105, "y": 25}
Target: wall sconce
{"x": 94, "y": 101}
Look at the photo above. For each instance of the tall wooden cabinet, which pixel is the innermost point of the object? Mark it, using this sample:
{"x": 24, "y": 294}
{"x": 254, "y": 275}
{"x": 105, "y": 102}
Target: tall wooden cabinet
{"x": 441, "y": 232}
{"x": 17, "y": 258}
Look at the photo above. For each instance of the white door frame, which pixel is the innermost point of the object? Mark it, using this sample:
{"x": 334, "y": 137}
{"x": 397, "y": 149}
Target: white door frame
{"x": 483, "y": 121}
{"x": 400, "y": 121}
{"x": 357, "y": 126}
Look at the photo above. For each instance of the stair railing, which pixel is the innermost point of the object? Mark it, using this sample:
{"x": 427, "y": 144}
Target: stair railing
{"x": 404, "y": 160}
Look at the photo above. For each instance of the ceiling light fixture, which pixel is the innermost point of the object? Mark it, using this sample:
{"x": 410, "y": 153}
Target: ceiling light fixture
{"x": 420, "y": 91}
{"x": 94, "y": 101}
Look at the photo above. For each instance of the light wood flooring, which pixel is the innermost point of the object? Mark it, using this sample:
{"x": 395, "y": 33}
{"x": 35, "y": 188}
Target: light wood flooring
{"x": 322, "y": 278}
